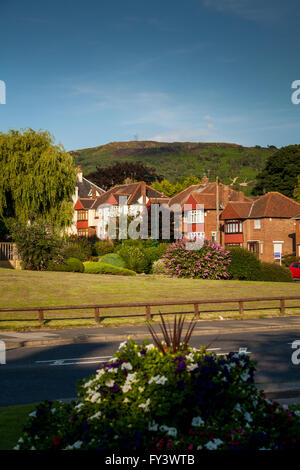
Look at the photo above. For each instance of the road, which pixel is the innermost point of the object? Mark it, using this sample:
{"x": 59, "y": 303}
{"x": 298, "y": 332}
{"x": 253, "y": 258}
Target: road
{"x": 51, "y": 372}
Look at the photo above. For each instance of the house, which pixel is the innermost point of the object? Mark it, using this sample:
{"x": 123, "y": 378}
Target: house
{"x": 199, "y": 208}
{"x": 130, "y": 199}
{"x": 84, "y": 197}
{"x": 297, "y": 219}
{"x": 266, "y": 226}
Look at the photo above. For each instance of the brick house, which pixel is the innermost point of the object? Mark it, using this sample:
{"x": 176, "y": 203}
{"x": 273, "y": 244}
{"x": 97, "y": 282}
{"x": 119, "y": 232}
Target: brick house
{"x": 265, "y": 226}
{"x": 131, "y": 198}
{"x": 297, "y": 220}
{"x": 85, "y": 195}
{"x": 201, "y": 222}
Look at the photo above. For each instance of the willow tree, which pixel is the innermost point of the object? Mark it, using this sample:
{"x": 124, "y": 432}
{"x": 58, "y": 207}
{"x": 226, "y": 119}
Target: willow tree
{"x": 37, "y": 178}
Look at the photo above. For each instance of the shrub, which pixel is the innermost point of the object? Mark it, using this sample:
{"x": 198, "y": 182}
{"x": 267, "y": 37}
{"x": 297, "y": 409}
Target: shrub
{"x": 70, "y": 265}
{"x": 103, "y": 268}
{"x": 154, "y": 253}
{"x": 145, "y": 400}
{"x": 275, "y": 273}
{"x": 114, "y": 259}
{"x": 38, "y": 244}
{"x": 77, "y": 247}
{"x": 209, "y": 262}
{"x": 287, "y": 260}
{"x": 159, "y": 267}
{"x": 103, "y": 247}
{"x": 244, "y": 265}
{"x": 134, "y": 258}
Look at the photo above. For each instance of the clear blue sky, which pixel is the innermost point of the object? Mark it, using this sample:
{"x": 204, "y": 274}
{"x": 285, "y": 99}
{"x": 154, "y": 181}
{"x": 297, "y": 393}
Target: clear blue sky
{"x": 93, "y": 72}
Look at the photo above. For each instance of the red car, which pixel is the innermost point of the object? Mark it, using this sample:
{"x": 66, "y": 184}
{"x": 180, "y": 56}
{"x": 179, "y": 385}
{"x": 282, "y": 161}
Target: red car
{"x": 295, "y": 269}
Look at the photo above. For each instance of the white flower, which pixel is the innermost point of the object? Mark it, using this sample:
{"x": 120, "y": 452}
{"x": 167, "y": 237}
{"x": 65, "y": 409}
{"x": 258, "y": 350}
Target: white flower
{"x": 297, "y": 413}
{"x": 218, "y": 442}
{"x": 110, "y": 383}
{"x": 112, "y": 370}
{"x": 238, "y": 408}
{"x": 131, "y": 377}
{"x": 125, "y": 400}
{"x": 17, "y": 447}
{"x": 141, "y": 389}
{"x": 191, "y": 367}
{"x": 96, "y": 397}
{"x": 211, "y": 445}
{"x": 248, "y": 417}
{"x": 199, "y": 447}
{"x": 122, "y": 345}
{"x": 33, "y": 414}
{"x": 263, "y": 448}
{"x": 163, "y": 428}
{"x": 172, "y": 432}
{"x": 126, "y": 387}
{"x": 77, "y": 444}
{"x": 149, "y": 346}
{"x": 145, "y": 406}
{"x": 96, "y": 415}
{"x": 245, "y": 376}
{"x": 21, "y": 440}
{"x": 152, "y": 426}
{"x": 197, "y": 421}
{"x": 32, "y": 448}
{"x": 160, "y": 380}
{"x": 127, "y": 366}
{"x": 53, "y": 410}
{"x": 80, "y": 405}
{"x": 100, "y": 372}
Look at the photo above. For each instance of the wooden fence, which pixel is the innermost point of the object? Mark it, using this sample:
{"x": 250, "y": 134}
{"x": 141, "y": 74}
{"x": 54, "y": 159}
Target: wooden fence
{"x": 147, "y": 305}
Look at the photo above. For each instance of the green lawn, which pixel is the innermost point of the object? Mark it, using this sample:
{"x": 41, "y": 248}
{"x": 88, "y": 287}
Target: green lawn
{"x": 30, "y": 288}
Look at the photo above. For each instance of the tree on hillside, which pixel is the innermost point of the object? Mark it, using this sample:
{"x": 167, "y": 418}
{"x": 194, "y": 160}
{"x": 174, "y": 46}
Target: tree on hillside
{"x": 37, "y": 178}
{"x": 297, "y": 189}
{"x": 170, "y": 189}
{"x": 118, "y": 172}
{"x": 280, "y": 173}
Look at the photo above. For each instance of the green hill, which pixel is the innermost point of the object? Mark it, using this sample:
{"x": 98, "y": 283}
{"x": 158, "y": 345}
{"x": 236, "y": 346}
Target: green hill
{"x": 231, "y": 162}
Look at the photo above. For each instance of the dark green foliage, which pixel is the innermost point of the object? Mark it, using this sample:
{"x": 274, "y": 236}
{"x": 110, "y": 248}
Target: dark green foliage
{"x": 77, "y": 247}
{"x": 73, "y": 265}
{"x": 118, "y": 172}
{"x": 287, "y": 260}
{"x": 244, "y": 265}
{"x": 38, "y": 244}
{"x": 272, "y": 272}
{"x": 37, "y": 178}
{"x": 114, "y": 259}
{"x": 103, "y": 268}
{"x": 280, "y": 173}
{"x": 134, "y": 257}
{"x": 154, "y": 253}
{"x": 103, "y": 247}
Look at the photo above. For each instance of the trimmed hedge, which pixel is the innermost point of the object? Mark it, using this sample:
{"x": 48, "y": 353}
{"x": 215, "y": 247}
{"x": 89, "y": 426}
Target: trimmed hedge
{"x": 103, "y": 268}
{"x": 275, "y": 273}
{"x": 77, "y": 247}
{"x": 244, "y": 265}
{"x": 114, "y": 259}
{"x": 73, "y": 265}
{"x": 134, "y": 257}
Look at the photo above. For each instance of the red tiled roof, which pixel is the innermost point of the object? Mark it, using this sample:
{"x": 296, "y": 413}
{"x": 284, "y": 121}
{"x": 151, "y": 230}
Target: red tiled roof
{"x": 236, "y": 210}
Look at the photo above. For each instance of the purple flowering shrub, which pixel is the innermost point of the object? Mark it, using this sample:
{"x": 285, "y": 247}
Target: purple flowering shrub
{"x": 144, "y": 400}
{"x": 209, "y": 262}
{"x": 38, "y": 245}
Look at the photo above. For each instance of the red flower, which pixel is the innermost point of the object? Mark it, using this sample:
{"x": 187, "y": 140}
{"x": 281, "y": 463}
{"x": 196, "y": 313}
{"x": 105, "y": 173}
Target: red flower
{"x": 56, "y": 440}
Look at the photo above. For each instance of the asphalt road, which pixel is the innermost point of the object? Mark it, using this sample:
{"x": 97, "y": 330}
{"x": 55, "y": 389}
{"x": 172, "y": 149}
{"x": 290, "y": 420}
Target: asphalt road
{"x": 36, "y": 374}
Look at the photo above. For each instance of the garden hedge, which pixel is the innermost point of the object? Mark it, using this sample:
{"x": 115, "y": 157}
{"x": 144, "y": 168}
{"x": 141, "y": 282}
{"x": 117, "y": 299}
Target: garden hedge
{"x": 114, "y": 259}
{"x": 103, "y": 268}
{"x": 244, "y": 265}
{"x": 275, "y": 273}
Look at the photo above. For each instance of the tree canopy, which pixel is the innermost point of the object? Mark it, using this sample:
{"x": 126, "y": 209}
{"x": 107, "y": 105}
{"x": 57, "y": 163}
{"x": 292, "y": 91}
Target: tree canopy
{"x": 37, "y": 178}
{"x": 170, "y": 189}
{"x": 280, "y": 173}
{"x": 117, "y": 173}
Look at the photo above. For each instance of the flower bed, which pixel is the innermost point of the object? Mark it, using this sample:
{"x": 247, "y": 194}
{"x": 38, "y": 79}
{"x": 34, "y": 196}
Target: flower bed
{"x": 147, "y": 399}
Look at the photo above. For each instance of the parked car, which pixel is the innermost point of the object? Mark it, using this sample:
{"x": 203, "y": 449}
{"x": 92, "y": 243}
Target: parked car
{"x": 295, "y": 269}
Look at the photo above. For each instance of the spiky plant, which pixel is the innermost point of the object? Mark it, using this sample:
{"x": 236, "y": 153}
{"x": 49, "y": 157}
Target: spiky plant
{"x": 172, "y": 338}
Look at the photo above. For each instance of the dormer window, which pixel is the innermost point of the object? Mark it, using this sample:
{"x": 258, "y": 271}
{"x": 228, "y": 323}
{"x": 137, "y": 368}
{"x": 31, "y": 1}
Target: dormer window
{"x": 82, "y": 215}
{"x": 233, "y": 226}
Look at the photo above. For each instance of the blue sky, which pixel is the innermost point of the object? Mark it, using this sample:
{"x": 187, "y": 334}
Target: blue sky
{"x": 94, "y": 72}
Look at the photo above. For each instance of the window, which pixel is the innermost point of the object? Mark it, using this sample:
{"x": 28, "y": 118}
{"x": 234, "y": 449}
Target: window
{"x": 253, "y": 247}
{"x": 197, "y": 235}
{"x": 233, "y": 226}
{"x": 195, "y": 217}
{"x": 257, "y": 224}
{"x": 83, "y": 232}
{"x": 213, "y": 236}
{"x": 82, "y": 215}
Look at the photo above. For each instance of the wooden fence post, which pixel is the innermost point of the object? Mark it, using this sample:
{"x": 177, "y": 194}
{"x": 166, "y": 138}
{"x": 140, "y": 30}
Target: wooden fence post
{"x": 282, "y": 306}
{"x": 97, "y": 318}
{"x": 241, "y": 307}
{"x": 196, "y": 310}
{"x": 148, "y": 312}
{"x": 41, "y": 317}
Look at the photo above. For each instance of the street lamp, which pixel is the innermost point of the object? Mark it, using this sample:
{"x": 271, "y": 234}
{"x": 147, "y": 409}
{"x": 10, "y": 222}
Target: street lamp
{"x": 155, "y": 177}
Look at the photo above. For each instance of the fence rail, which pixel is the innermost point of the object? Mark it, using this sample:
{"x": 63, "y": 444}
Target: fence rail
{"x": 147, "y": 305}
{"x": 8, "y": 251}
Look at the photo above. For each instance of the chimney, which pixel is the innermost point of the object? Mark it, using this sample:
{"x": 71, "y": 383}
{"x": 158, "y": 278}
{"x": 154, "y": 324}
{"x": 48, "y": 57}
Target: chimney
{"x": 143, "y": 191}
{"x": 94, "y": 194}
{"x": 205, "y": 180}
{"x": 79, "y": 174}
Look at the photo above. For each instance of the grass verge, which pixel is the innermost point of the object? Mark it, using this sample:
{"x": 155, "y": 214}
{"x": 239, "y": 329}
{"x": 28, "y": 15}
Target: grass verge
{"x": 12, "y": 420}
